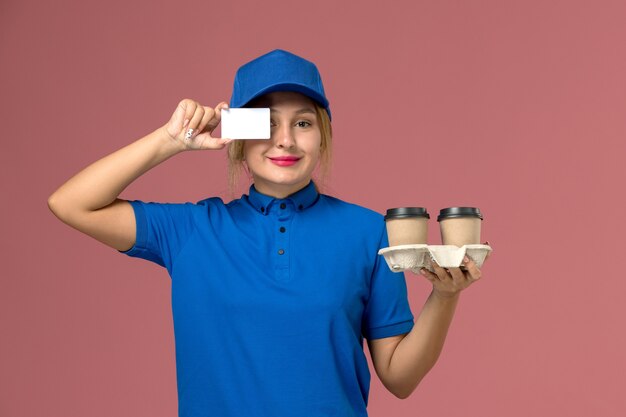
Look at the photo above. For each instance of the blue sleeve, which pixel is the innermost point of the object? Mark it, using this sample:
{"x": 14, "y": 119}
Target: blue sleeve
{"x": 387, "y": 312}
{"x": 162, "y": 231}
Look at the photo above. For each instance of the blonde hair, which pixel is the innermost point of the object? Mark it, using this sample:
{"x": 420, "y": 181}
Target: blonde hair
{"x": 235, "y": 154}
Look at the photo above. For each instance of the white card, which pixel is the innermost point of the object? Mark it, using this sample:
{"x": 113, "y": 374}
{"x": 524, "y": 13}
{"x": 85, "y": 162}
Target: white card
{"x": 246, "y": 123}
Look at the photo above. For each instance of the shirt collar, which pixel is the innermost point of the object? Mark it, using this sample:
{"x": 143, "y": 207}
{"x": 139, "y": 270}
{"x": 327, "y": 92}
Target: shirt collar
{"x": 302, "y": 199}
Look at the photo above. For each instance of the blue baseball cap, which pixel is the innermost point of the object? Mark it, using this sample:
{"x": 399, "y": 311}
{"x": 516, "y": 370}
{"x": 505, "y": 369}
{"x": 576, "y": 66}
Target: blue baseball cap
{"x": 278, "y": 70}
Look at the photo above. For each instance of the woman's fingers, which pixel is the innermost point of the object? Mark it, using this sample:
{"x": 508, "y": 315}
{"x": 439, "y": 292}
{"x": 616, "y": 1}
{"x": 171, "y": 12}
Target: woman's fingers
{"x": 181, "y": 119}
{"x": 193, "y": 127}
{"x": 212, "y": 118}
{"x": 488, "y": 253}
{"x": 176, "y": 122}
{"x": 450, "y": 281}
{"x": 472, "y": 269}
{"x": 217, "y": 116}
{"x": 192, "y": 124}
{"x": 457, "y": 275}
{"x": 206, "y": 140}
{"x": 206, "y": 120}
{"x": 429, "y": 275}
{"x": 440, "y": 272}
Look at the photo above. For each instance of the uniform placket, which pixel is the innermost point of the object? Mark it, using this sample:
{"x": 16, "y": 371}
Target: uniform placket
{"x": 284, "y": 214}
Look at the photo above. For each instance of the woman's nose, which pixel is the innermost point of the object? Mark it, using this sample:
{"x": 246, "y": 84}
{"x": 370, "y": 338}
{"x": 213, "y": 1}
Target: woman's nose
{"x": 283, "y": 137}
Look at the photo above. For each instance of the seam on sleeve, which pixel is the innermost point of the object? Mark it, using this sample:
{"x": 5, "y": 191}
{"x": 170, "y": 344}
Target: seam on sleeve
{"x": 140, "y": 229}
{"x": 390, "y": 330}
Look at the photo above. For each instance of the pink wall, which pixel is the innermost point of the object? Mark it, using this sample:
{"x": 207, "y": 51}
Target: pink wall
{"x": 516, "y": 107}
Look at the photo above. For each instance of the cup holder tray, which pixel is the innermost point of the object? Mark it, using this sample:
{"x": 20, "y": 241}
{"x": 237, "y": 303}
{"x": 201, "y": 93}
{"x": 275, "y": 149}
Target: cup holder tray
{"x": 414, "y": 257}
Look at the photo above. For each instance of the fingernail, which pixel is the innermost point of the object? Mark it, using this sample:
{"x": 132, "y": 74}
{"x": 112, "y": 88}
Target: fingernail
{"x": 423, "y": 271}
{"x": 465, "y": 259}
{"x": 186, "y": 123}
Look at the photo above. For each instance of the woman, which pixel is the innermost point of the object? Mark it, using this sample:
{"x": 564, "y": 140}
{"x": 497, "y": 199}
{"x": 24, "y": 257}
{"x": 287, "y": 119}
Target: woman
{"x": 272, "y": 293}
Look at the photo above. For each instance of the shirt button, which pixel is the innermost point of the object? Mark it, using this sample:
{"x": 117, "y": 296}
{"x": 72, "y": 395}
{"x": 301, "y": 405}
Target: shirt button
{"x": 262, "y": 209}
{"x": 280, "y": 251}
{"x": 283, "y": 205}
{"x": 282, "y": 230}
{"x": 300, "y": 207}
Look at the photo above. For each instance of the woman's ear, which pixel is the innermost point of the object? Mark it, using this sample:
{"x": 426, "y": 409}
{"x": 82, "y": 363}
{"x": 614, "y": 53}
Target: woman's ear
{"x": 246, "y": 170}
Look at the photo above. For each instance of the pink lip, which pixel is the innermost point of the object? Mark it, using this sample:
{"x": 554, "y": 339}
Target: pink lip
{"x": 284, "y": 161}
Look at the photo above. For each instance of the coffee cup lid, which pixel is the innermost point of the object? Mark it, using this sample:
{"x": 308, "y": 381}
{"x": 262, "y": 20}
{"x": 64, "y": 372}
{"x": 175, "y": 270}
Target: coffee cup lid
{"x": 402, "y": 212}
{"x": 451, "y": 212}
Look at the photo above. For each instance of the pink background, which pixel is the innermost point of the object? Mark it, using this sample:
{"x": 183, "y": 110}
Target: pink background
{"x": 515, "y": 107}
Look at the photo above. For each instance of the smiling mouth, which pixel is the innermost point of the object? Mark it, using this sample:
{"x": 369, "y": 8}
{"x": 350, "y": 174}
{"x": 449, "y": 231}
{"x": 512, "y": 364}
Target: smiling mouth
{"x": 285, "y": 158}
{"x": 284, "y": 161}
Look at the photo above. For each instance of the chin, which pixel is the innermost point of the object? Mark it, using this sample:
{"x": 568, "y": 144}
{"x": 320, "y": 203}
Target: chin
{"x": 286, "y": 179}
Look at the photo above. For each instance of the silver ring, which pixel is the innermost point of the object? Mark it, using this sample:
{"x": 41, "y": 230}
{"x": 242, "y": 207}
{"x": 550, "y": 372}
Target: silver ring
{"x": 189, "y": 134}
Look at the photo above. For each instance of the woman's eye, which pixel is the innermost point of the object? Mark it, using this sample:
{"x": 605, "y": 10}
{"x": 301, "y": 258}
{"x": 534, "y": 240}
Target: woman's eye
{"x": 303, "y": 123}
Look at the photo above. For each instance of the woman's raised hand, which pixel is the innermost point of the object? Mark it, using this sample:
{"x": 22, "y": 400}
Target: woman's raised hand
{"x": 191, "y": 125}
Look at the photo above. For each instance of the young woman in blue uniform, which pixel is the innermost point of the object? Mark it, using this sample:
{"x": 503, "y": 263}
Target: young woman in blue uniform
{"x": 274, "y": 292}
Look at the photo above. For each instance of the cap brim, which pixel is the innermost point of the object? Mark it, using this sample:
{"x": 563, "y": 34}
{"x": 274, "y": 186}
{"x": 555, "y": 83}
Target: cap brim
{"x": 298, "y": 88}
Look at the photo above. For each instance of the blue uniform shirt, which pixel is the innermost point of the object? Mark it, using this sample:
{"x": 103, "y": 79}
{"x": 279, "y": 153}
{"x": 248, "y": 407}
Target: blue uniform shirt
{"x": 271, "y": 299}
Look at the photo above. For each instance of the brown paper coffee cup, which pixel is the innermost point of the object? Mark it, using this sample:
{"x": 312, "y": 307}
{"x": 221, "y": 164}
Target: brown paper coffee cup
{"x": 460, "y": 225}
{"x": 407, "y": 225}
